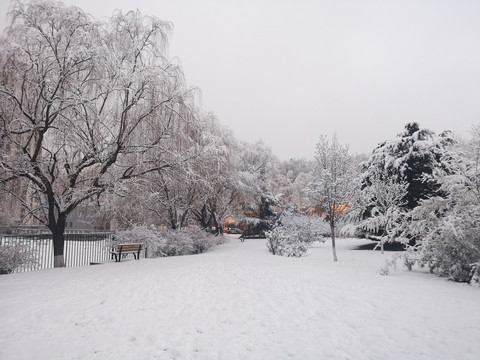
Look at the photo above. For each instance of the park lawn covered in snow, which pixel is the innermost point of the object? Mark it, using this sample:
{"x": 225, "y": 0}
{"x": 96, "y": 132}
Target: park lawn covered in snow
{"x": 239, "y": 302}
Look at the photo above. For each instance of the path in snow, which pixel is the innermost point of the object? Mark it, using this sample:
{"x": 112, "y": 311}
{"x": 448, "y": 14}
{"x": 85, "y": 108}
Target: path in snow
{"x": 238, "y": 302}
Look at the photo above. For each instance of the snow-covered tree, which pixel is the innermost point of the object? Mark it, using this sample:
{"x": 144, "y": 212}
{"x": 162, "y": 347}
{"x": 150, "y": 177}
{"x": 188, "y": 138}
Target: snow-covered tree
{"x": 447, "y": 227}
{"x": 257, "y": 198}
{"x": 290, "y": 182}
{"x": 410, "y": 158}
{"x": 198, "y": 186}
{"x": 83, "y": 106}
{"x": 333, "y": 184}
{"x": 384, "y": 199}
{"x": 220, "y": 173}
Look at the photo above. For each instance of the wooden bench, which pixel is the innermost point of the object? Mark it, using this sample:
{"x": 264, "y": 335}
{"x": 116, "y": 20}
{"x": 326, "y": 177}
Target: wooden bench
{"x": 252, "y": 236}
{"x": 122, "y": 250}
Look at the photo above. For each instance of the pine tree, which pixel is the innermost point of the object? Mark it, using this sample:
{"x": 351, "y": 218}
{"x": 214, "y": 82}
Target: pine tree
{"x": 448, "y": 227}
{"x": 410, "y": 158}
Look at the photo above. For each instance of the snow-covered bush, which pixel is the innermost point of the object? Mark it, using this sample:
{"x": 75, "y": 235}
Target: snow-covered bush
{"x": 447, "y": 227}
{"x": 475, "y": 275}
{"x": 202, "y": 240}
{"x": 168, "y": 242}
{"x": 173, "y": 243}
{"x": 450, "y": 245}
{"x": 294, "y": 233}
{"x": 409, "y": 258}
{"x": 14, "y": 255}
{"x": 280, "y": 241}
{"x": 148, "y": 235}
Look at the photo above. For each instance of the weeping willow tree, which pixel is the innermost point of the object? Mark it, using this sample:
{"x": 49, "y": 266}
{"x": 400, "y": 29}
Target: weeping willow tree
{"x": 84, "y": 105}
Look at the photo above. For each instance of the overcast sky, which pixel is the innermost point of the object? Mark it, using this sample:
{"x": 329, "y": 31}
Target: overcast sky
{"x": 287, "y": 71}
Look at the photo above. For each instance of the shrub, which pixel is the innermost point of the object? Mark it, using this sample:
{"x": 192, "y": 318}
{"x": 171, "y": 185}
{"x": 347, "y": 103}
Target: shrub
{"x": 14, "y": 255}
{"x": 201, "y": 240}
{"x": 168, "y": 242}
{"x": 294, "y": 233}
{"x": 475, "y": 274}
{"x": 281, "y": 241}
{"x": 448, "y": 244}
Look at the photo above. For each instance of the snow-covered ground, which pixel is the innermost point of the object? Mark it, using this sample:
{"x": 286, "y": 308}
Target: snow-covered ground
{"x": 239, "y": 302}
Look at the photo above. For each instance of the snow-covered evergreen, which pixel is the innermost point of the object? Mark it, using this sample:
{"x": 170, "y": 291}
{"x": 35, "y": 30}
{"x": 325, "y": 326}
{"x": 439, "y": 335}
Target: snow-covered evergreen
{"x": 404, "y": 165}
{"x": 448, "y": 227}
{"x": 412, "y": 158}
{"x": 384, "y": 199}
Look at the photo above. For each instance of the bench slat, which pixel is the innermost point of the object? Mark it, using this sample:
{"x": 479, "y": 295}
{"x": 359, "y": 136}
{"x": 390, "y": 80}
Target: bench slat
{"x": 130, "y": 247}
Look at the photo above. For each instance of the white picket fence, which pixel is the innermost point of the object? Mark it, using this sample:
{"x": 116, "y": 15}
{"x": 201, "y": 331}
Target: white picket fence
{"x": 80, "y": 249}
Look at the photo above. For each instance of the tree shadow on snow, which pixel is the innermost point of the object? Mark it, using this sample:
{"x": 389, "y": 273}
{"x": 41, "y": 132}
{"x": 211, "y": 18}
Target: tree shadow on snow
{"x": 396, "y": 246}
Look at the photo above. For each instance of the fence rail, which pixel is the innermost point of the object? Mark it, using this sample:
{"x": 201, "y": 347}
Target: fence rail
{"x": 80, "y": 249}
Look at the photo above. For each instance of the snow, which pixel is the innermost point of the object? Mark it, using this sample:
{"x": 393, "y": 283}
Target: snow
{"x": 239, "y": 302}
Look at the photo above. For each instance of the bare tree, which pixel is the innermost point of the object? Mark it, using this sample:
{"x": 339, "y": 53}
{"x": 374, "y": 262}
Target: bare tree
{"x": 83, "y": 106}
{"x": 333, "y": 184}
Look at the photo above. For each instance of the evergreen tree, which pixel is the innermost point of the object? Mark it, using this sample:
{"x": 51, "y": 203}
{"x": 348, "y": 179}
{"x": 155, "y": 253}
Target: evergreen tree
{"x": 410, "y": 158}
{"x": 448, "y": 227}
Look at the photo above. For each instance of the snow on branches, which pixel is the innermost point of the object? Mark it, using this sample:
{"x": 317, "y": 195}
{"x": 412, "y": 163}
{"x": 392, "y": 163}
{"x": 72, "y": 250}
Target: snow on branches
{"x": 334, "y": 182}
{"x": 294, "y": 232}
{"x": 448, "y": 227}
{"x": 383, "y": 198}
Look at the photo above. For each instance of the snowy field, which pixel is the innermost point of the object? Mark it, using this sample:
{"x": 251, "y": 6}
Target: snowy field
{"x": 239, "y": 302}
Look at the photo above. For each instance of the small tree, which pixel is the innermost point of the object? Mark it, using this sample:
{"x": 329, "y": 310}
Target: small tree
{"x": 333, "y": 184}
{"x": 383, "y": 198}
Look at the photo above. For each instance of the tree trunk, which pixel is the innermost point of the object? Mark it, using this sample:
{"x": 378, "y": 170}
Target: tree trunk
{"x": 201, "y": 217}
{"x": 173, "y": 219}
{"x": 218, "y": 227}
{"x": 58, "y": 230}
{"x": 58, "y": 248}
{"x": 183, "y": 220}
{"x": 334, "y": 250}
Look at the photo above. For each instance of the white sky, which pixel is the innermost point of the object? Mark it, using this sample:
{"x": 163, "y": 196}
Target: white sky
{"x": 287, "y": 71}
